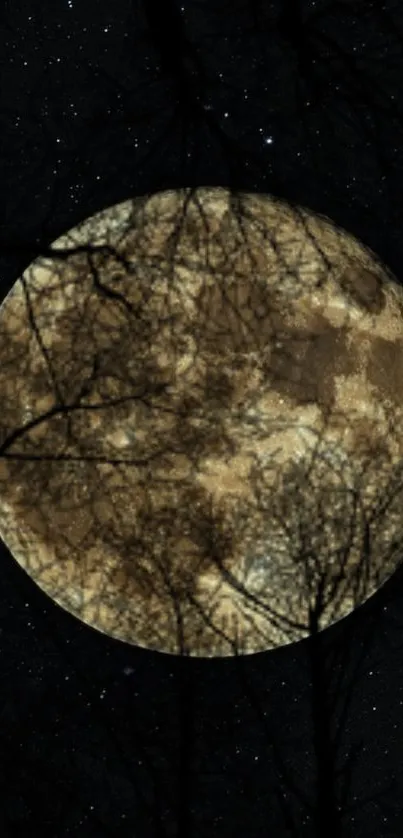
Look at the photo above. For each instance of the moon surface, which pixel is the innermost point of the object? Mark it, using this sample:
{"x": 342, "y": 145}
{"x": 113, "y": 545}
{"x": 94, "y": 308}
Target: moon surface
{"x": 201, "y": 427}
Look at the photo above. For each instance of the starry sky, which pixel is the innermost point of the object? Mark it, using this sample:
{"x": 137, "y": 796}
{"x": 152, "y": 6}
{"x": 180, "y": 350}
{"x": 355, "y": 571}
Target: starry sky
{"x": 101, "y": 102}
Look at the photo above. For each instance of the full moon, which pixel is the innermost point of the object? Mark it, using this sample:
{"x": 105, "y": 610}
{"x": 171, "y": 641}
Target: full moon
{"x": 201, "y": 428}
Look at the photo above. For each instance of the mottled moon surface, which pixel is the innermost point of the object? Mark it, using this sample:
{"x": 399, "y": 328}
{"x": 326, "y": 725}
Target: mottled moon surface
{"x": 201, "y": 426}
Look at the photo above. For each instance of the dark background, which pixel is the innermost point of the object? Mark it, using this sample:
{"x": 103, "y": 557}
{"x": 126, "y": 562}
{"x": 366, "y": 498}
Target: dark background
{"x": 100, "y": 102}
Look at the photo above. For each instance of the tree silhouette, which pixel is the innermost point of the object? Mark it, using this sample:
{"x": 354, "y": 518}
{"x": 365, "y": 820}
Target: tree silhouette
{"x": 147, "y": 426}
{"x": 175, "y": 329}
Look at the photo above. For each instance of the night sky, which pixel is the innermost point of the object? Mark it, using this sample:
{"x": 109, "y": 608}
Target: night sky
{"x": 101, "y": 102}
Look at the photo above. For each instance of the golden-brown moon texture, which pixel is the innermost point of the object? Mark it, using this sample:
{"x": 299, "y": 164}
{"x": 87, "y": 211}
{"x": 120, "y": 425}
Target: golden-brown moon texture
{"x": 201, "y": 425}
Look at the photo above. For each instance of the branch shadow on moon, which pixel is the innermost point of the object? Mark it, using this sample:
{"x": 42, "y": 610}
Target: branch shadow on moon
{"x": 200, "y": 446}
